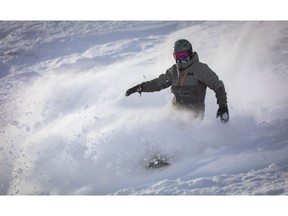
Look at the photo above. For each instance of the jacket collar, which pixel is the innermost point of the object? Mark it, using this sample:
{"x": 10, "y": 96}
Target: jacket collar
{"x": 183, "y": 66}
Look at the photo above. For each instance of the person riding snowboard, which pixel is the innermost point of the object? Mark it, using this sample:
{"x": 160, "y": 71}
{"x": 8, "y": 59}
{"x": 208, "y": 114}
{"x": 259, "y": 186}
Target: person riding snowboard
{"x": 188, "y": 79}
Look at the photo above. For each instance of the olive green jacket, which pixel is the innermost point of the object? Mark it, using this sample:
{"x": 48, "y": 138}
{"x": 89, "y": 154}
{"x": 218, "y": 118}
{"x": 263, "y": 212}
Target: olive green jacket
{"x": 188, "y": 83}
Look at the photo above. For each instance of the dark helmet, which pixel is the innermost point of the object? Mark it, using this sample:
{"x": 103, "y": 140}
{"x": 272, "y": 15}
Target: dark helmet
{"x": 180, "y": 48}
{"x": 182, "y": 45}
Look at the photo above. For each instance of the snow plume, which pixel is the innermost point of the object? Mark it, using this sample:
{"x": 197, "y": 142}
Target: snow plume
{"x": 67, "y": 128}
{"x": 253, "y": 55}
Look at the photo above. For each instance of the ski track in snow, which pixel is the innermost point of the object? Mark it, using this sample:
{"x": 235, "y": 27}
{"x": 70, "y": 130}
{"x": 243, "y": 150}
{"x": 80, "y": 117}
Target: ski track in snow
{"x": 67, "y": 128}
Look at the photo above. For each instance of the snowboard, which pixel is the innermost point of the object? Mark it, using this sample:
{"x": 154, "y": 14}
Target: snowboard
{"x": 157, "y": 162}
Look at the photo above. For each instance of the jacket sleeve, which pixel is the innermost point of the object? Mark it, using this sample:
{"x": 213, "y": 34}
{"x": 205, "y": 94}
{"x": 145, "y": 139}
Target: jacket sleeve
{"x": 162, "y": 82}
{"x": 210, "y": 78}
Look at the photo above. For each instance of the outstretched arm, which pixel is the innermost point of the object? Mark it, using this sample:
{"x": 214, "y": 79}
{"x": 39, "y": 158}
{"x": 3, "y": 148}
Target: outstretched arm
{"x": 163, "y": 81}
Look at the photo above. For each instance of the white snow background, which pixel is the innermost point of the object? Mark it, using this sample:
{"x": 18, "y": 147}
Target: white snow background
{"x": 66, "y": 127}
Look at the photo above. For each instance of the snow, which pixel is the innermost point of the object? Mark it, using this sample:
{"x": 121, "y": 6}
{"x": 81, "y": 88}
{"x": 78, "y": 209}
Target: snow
{"x": 67, "y": 128}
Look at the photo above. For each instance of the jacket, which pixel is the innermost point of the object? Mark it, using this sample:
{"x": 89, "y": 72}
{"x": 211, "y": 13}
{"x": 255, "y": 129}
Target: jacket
{"x": 189, "y": 82}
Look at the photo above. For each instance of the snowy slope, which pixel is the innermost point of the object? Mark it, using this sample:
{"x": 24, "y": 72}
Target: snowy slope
{"x": 67, "y": 128}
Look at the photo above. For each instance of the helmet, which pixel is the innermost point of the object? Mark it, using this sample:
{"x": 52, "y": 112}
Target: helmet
{"x": 182, "y": 45}
{"x": 182, "y": 51}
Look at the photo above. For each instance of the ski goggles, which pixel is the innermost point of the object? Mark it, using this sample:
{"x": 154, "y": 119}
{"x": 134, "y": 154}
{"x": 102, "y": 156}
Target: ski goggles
{"x": 181, "y": 55}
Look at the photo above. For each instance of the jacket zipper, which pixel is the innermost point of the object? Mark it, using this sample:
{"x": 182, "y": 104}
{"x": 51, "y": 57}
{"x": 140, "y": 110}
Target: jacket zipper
{"x": 182, "y": 78}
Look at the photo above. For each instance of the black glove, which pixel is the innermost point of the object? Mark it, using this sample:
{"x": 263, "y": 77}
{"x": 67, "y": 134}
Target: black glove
{"x": 223, "y": 113}
{"x": 137, "y": 88}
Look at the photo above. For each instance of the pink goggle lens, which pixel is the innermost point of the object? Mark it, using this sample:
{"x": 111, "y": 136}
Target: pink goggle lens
{"x": 181, "y": 55}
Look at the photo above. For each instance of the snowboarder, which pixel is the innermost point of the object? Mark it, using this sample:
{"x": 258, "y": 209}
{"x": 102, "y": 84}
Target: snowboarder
{"x": 188, "y": 79}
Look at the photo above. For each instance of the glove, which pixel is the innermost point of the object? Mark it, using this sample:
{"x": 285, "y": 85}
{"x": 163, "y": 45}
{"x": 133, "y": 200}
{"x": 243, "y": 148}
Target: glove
{"x": 137, "y": 88}
{"x": 223, "y": 113}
